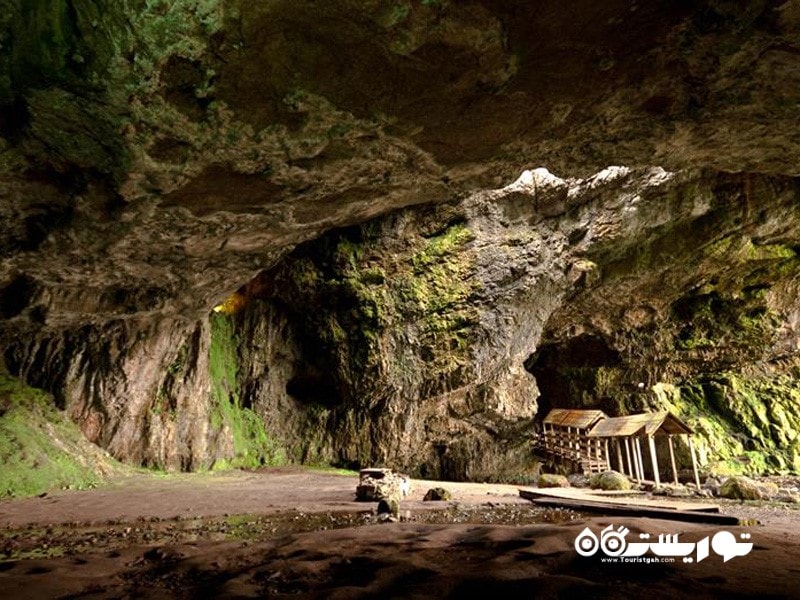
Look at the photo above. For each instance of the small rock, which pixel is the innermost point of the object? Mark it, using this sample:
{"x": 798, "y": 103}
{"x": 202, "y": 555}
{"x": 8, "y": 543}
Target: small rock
{"x": 680, "y": 491}
{"x": 712, "y": 485}
{"x": 768, "y": 488}
{"x": 437, "y": 494}
{"x": 788, "y": 498}
{"x": 551, "y": 480}
{"x": 388, "y": 510}
{"x": 610, "y": 480}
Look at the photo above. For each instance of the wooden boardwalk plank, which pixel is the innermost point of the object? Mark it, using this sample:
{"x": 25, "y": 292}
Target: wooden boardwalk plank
{"x": 620, "y": 498}
{"x": 607, "y": 508}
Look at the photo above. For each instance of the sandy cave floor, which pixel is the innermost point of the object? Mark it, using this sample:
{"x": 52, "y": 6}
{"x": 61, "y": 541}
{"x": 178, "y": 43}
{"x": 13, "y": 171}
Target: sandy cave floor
{"x": 298, "y": 534}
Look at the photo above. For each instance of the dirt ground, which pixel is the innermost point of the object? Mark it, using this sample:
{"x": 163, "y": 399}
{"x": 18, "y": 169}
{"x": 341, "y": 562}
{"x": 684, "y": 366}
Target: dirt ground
{"x": 299, "y": 534}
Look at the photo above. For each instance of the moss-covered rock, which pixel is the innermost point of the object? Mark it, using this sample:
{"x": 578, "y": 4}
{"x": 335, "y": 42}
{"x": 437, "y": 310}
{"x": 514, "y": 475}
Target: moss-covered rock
{"x": 251, "y": 444}
{"x": 551, "y": 480}
{"x": 610, "y": 480}
{"x": 744, "y": 425}
{"x": 41, "y": 449}
{"x": 739, "y": 487}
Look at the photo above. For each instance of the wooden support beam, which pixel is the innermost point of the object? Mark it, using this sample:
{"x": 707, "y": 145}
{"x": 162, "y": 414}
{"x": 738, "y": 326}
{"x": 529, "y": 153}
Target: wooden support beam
{"x": 656, "y": 475}
{"x": 694, "y": 463}
{"x": 597, "y": 452}
{"x": 628, "y": 454}
{"x": 638, "y": 446}
{"x": 608, "y": 456}
{"x": 672, "y": 459}
{"x": 569, "y": 441}
{"x": 619, "y": 456}
{"x": 636, "y": 462}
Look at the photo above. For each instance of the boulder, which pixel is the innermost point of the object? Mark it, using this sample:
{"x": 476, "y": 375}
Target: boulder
{"x": 388, "y": 510}
{"x": 551, "y": 480}
{"x": 610, "y": 480}
{"x": 378, "y": 484}
{"x": 740, "y": 487}
{"x": 437, "y": 494}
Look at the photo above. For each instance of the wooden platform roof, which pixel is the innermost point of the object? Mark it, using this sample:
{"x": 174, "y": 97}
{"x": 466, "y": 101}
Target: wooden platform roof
{"x": 656, "y": 423}
{"x": 573, "y": 417}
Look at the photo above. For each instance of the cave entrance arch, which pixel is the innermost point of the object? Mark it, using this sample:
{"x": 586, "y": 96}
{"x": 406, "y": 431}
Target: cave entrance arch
{"x": 567, "y": 373}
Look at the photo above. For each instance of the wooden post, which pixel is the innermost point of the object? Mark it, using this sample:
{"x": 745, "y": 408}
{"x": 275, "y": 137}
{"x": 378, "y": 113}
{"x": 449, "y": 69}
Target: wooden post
{"x": 636, "y": 463}
{"x": 694, "y": 463}
{"x": 672, "y": 459}
{"x": 608, "y": 456}
{"x": 628, "y": 455}
{"x": 569, "y": 443}
{"x": 638, "y": 445}
{"x": 597, "y": 453}
{"x": 619, "y": 456}
{"x": 656, "y": 476}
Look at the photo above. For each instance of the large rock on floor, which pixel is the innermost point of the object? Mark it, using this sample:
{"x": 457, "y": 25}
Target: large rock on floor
{"x": 610, "y": 480}
{"x": 740, "y": 487}
{"x": 381, "y": 484}
{"x": 551, "y": 480}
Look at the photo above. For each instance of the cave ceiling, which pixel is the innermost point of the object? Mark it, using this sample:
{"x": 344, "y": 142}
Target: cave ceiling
{"x": 156, "y": 155}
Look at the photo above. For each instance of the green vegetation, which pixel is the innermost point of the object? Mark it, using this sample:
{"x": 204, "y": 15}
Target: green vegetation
{"x": 40, "y": 448}
{"x": 252, "y": 447}
{"x": 332, "y": 470}
{"x": 743, "y": 425}
{"x": 365, "y": 293}
{"x": 741, "y": 321}
{"x": 165, "y": 28}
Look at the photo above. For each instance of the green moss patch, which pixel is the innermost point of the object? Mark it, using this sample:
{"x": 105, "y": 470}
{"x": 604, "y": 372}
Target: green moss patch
{"x": 361, "y": 292}
{"x": 41, "y": 449}
{"x": 252, "y": 446}
{"x": 743, "y": 425}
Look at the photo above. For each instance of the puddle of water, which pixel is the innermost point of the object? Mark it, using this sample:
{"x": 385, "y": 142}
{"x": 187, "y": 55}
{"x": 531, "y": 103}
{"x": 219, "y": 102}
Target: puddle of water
{"x": 53, "y": 541}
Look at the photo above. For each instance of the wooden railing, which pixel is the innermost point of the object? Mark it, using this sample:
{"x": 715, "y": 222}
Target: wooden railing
{"x": 572, "y": 445}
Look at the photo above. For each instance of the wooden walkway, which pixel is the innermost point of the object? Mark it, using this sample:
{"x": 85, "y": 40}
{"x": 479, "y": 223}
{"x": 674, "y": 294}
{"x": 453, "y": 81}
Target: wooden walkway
{"x": 623, "y": 498}
{"x": 585, "y": 501}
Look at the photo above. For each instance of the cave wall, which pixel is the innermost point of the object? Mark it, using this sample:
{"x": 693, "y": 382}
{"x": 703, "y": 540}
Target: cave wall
{"x": 411, "y": 333}
{"x": 698, "y": 317}
{"x": 628, "y": 291}
{"x": 416, "y": 340}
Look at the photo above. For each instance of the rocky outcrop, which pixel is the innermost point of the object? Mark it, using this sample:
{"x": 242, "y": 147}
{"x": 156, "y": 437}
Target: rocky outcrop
{"x": 413, "y": 329}
{"x": 403, "y": 341}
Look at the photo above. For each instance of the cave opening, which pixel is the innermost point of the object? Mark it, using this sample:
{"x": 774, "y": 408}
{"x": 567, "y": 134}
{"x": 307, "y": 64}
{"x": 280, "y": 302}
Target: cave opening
{"x": 569, "y": 374}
